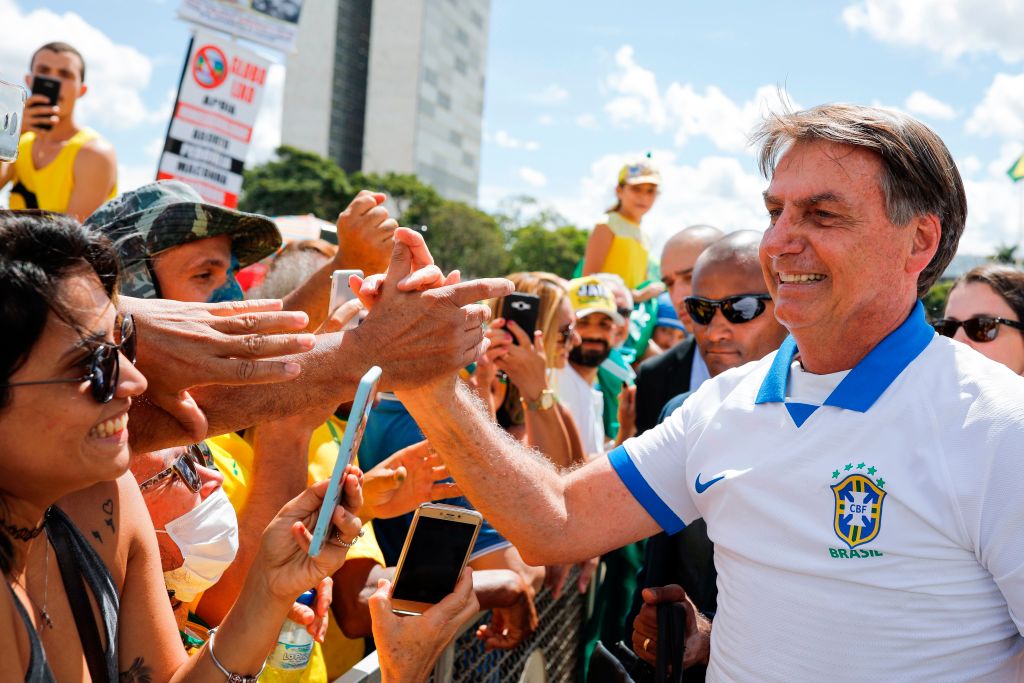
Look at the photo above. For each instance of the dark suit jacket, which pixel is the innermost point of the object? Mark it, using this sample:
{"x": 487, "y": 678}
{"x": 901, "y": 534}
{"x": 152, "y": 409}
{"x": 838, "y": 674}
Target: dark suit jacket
{"x": 660, "y": 379}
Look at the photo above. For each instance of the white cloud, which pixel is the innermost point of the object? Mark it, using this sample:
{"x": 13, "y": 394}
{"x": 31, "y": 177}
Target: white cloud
{"x": 993, "y": 201}
{"x": 266, "y": 132}
{"x": 719, "y": 190}
{"x": 923, "y": 104}
{"x": 532, "y": 177}
{"x": 1001, "y": 111}
{"x": 503, "y": 139}
{"x": 116, "y": 74}
{"x": 951, "y": 27}
{"x": 587, "y": 122}
{"x": 545, "y": 120}
{"x": 682, "y": 109}
{"x": 551, "y": 95}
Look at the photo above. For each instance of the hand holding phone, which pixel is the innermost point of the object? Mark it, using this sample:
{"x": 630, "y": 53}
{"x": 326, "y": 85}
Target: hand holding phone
{"x": 342, "y": 293}
{"x": 348, "y": 447}
{"x": 523, "y": 309}
{"x": 436, "y": 551}
{"x": 41, "y": 108}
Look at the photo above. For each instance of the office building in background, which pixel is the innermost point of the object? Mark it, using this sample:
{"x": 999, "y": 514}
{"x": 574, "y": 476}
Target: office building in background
{"x": 392, "y": 85}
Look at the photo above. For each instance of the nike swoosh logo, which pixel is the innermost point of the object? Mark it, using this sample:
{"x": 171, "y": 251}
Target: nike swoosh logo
{"x": 726, "y": 474}
{"x": 701, "y": 488}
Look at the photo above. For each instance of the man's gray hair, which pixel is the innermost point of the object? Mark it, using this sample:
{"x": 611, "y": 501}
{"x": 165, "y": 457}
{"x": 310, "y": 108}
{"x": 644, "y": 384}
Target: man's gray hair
{"x": 918, "y": 175}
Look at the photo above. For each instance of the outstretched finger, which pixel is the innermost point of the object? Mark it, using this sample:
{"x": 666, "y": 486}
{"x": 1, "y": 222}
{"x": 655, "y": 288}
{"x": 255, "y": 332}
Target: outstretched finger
{"x": 255, "y": 322}
{"x": 248, "y": 371}
{"x": 418, "y": 250}
{"x": 247, "y": 306}
{"x": 380, "y": 606}
{"x": 478, "y": 290}
{"x": 256, "y": 346}
{"x": 427, "y": 277}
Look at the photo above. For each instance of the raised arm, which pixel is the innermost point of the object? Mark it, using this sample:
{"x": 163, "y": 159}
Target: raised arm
{"x": 598, "y": 245}
{"x": 589, "y": 510}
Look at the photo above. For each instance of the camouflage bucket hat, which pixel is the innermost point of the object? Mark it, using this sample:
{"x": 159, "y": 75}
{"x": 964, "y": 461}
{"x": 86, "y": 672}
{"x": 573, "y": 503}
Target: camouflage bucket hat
{"x": 169, "y": 213}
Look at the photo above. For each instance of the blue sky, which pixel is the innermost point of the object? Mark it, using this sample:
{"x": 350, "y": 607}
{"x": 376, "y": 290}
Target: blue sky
{"x": 574, "y": 89}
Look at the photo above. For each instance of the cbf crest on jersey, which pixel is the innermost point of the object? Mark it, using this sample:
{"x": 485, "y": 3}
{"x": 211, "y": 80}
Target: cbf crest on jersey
{"x": 858, "y": 509}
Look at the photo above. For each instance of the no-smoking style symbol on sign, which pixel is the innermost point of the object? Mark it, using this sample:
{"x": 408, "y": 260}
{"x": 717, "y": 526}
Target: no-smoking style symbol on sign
{"x": 210, "y": 67}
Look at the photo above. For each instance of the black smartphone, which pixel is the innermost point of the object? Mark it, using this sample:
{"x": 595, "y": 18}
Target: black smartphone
{"x": 522, "y": 308}
{"x": 436, "y": 551}
{"x": 50, "y": 87}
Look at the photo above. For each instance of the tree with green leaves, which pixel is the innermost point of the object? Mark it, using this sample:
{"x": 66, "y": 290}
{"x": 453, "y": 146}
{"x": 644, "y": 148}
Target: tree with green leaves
{"x": 1006, "y": 254}
{"x": 296, "y": 182}
{"x": 468, "y": 239}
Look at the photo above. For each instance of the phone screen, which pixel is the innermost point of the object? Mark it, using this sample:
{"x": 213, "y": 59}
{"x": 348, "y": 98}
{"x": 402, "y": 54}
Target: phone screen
{"x": 433, "y": 561}
{"x": 12, "y": 103}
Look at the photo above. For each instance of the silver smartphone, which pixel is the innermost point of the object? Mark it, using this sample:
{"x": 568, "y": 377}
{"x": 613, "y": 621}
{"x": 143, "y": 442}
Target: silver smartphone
{"x": 436, "y": 551}
{"x": 12, "y": 107}
{"x": 341, "y": 292}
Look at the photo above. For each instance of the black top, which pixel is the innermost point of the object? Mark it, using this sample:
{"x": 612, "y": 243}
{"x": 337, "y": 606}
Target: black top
{"x": 661, "y": 378}
{"x": 80, "y": 557}
{"x": 38, "y": 670}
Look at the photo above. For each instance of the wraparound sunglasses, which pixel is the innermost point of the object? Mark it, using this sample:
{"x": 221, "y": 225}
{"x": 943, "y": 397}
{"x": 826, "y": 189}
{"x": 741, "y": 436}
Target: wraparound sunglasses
{"x": 104, "y": 368}
{"x": 980, "y": 328}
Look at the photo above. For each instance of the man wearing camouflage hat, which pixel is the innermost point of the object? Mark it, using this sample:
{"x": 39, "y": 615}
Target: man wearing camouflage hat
{"x": 172, "y": 245}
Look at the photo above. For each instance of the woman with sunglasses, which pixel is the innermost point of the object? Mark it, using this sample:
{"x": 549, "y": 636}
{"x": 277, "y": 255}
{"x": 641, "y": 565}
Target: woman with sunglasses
{"x": 72, "y": 520}
{"x": 522, "y": 397}
{"x": 985, "y": 310}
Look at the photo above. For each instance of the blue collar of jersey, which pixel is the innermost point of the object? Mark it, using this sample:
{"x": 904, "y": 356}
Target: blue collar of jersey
{"x": 866, "y": 381}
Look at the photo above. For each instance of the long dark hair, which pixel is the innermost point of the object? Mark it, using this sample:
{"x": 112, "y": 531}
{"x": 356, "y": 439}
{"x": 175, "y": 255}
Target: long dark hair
{"x": 38, "y": 250}
{"x": 1006, "y": 281}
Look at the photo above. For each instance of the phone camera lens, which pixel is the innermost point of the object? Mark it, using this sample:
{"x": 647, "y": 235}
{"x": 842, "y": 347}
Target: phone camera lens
{"x": 7, "y": 119}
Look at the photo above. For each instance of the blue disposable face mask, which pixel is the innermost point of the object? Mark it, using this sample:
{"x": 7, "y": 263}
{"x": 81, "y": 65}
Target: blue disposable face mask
{"x": 230, "y": 290}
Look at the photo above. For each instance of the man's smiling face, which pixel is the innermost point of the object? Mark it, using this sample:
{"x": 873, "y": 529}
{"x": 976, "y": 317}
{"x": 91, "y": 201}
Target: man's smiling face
{"x": 831, "y": 256}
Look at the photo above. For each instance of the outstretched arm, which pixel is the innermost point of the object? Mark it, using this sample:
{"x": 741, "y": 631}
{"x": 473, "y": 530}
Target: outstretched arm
{"x": 520, "y": 492}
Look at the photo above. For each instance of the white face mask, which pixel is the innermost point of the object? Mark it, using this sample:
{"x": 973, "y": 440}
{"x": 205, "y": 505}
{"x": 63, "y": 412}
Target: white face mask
{"x": 207, "y": 536}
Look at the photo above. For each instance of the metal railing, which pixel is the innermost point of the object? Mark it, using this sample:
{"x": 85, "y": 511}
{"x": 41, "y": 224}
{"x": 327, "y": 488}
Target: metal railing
{"x": 551, "y": 655}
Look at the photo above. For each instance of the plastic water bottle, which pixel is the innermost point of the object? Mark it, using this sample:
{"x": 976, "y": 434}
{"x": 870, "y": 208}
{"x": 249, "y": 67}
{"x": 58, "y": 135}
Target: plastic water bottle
{"x": 294, "y": 647}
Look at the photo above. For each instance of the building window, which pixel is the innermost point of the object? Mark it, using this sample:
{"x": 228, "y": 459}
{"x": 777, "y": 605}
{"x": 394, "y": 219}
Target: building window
{"x": 444, "y": 101}
{"x": 455, "y": 138}
{"x": 468, "y": 159}
{"x": 430, "y": 76}
{"x": 462, "y": 36}
{"x": 475, "y": 17}
{"x": 460, "y": 65}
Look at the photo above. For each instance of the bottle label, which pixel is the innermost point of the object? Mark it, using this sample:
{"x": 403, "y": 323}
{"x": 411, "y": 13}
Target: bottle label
{"x": 290, "y": 657}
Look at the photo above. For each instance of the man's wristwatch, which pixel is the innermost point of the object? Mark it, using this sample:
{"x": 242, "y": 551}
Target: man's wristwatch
{"x": 545, "y": 401}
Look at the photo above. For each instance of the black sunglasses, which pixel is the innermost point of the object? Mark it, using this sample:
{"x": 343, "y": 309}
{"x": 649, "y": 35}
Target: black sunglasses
{"x": 104, "y": 368}
{"x": 741, "y": 308}
{"x": 980, "y": 328}
{"x": 185, "y": 467}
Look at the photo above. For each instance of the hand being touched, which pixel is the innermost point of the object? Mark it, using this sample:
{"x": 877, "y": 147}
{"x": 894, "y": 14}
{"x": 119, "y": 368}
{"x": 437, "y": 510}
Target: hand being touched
{"x": 185, "y": 345}
{"x": 404, "y": 481}
{"x": 422, "y": 326}
{"x": 408, "y": 647}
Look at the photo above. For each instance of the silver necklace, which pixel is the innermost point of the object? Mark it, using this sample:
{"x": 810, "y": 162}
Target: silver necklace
{"x": 44, "y": 616}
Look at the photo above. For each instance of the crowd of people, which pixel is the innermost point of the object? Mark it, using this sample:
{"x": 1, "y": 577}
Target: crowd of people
{"x": 722, "y": 431}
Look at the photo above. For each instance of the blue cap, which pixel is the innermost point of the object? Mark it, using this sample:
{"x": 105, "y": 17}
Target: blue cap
{"x": 307, "y": 598}
{"x": 667, "y": 314}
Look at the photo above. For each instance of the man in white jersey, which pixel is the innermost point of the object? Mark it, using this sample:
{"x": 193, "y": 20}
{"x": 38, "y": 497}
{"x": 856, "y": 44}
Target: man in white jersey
{"x": 861, "y": 485}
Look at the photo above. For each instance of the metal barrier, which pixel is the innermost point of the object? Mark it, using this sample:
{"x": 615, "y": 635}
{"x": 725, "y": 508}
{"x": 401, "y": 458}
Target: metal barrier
{"x": 551, "y": 655}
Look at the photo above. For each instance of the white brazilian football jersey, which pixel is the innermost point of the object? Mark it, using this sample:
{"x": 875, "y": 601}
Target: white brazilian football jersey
{"x": 878, "y": 537}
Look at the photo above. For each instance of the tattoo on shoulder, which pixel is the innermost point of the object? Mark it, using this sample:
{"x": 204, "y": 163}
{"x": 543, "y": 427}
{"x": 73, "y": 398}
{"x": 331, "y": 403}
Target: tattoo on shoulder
{"x": 108, "y": 510}
{"x": 138, "y": 672}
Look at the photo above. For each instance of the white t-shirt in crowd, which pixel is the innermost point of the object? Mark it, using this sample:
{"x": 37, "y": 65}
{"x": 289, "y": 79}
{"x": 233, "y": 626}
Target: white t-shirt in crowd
{"x": 586, "y": 405}
{"x": 868, "y": 526}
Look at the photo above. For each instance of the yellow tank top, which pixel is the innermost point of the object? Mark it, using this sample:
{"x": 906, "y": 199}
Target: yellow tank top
{"x": 48, "y": 187}
{"x": 627, "y": 256}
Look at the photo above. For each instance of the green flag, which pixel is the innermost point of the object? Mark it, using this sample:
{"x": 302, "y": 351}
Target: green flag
{"x": 1016, "y": 172}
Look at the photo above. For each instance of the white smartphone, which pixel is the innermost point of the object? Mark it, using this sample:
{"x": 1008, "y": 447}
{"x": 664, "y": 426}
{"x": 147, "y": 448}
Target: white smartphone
{"x": 341, "y": 292}
{"x": 12, "y": 107}
{"x": 348, "y": 447}
{"x": 436, "y": 551}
